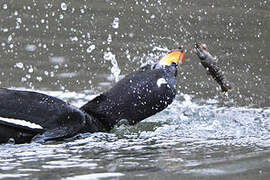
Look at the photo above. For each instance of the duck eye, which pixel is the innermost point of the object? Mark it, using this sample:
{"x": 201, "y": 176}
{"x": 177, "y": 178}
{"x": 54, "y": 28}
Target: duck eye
{"x": 173, "y": 64}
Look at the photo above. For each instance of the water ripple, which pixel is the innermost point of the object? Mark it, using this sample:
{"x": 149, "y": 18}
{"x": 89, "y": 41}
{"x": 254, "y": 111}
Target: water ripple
{"x": 189, "y": 138}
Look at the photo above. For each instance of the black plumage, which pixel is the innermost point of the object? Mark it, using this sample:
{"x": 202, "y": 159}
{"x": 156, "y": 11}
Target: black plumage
{"x": 134, "y": 98}
{"x": 52, "y": 114}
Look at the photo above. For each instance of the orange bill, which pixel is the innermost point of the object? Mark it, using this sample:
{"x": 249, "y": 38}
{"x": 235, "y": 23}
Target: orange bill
{"x": 177, "y": 57}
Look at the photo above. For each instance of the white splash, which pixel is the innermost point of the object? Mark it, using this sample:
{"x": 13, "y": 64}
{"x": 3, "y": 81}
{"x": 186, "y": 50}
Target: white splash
{"x": 19, "y": 65}
{"x": 90, "y": 48}
{"x": 30, "y": 47}
{"x": 115, "y": 70}
{"x": 64, "y": 6}
{"x": 57, "y": 59}
{"x": 115, "y": 23}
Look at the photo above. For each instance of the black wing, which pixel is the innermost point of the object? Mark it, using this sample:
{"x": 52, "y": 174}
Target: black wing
{"x": 24, "y": 114}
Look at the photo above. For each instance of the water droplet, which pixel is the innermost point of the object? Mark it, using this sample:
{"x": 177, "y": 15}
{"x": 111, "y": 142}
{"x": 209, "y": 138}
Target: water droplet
{"x": 115, "y": 68}
{"x": 5, "y": 6}
{"x": 52, "y": 74}
{"x": 19, "y": 65}
{"x": 9, "y": 38}
{"x": 115, "y": 23}
{"x": 19, "y": 20}
{"x": 153, "y": 16}
{"x": 39, "y": 78}
{"x": 131, "y": 35}
{"x": 75, "y": 38}
{"x": 57, "y": 60}
{"x": 31, "y": 70}
{"x": 30, "y": 47}
{"x": 23, "y": 79}
{"x": 63, "y": 6}
{"x": 61, "y": 16}
{"x": 5, "y": 29}
{"x": 90, "y": 48}
{"x": 109, "y": 39}
{"x": 28, "y": 76}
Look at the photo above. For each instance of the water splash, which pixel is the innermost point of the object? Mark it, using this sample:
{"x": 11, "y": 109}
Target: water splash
{"x": 167, "y": 140}
{"x": 90, "y": 48}
{"x": 30, "y": 47}
{"x": 115, "y": 70}
{"x": 115, "y": 23}
{"x": 63, "y": 6}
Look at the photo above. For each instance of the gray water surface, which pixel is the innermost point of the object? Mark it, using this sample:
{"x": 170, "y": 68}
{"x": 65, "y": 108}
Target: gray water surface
{"x": 75, "y": 50}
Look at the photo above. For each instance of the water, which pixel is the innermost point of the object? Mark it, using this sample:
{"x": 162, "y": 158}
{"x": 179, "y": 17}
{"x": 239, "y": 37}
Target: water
{"x": 75, "y": 50}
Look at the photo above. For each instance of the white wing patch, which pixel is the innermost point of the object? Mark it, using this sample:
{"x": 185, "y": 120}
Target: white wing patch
{"x": 161, "y": 81}
{"x": 21, "y": 123}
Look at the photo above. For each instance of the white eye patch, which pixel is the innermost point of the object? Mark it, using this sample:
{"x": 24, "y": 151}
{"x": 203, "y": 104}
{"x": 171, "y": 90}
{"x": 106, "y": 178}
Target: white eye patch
{"x": 161, "y": 81}
{"x": 21, "y": 123}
